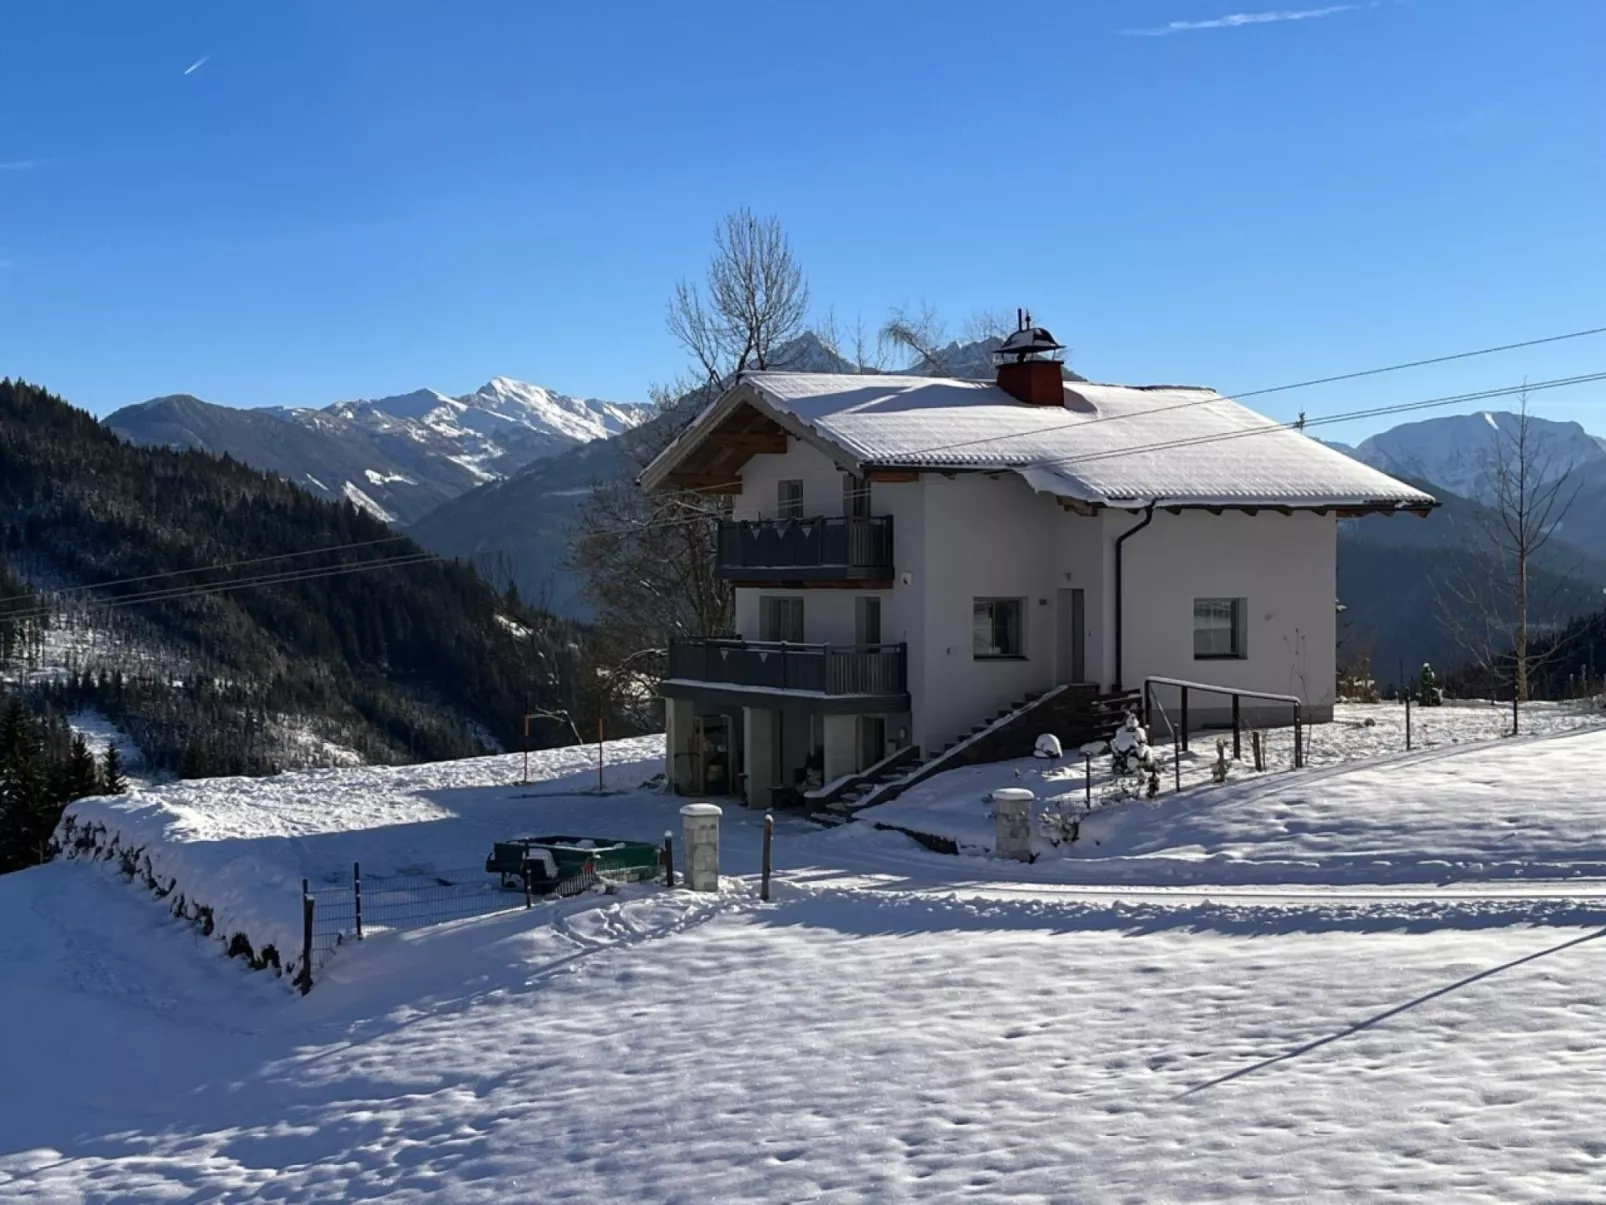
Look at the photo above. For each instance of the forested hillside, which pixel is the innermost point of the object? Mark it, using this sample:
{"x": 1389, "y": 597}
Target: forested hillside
{"x": 239, "y": 646}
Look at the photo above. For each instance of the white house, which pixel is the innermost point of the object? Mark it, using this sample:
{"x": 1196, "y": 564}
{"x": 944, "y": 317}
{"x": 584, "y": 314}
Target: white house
{"x": 912, "y": 555}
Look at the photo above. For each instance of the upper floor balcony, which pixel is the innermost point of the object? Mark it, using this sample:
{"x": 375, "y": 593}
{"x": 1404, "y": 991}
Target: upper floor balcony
{"x": 840, "y": 550}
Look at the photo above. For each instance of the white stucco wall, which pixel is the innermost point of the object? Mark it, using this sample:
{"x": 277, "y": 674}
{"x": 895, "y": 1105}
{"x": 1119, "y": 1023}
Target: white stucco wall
{"x": 1283, "y": 566}
{"x": 972, "y": 536}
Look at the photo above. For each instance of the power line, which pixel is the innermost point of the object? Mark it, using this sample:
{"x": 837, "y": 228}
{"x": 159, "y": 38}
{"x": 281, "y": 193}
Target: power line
{"x": 1215, "y": 437}
{"x": 261, "y": 560}
{"x": 176, "y": 593}
{"x": 1238, "y": 397}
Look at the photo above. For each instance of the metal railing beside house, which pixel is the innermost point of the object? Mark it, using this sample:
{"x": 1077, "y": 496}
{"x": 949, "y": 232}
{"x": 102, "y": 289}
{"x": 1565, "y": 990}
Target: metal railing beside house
{"x": 841, "y": 548}
{"x": 827, "y": 669}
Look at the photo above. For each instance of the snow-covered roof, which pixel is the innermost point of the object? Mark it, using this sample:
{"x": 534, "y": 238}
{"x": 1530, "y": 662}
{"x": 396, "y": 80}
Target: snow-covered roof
{"x": 1108, "y": 445}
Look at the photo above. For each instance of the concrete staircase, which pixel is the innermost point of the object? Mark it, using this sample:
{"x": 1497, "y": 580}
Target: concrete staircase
{"x": 1075, "y": 714}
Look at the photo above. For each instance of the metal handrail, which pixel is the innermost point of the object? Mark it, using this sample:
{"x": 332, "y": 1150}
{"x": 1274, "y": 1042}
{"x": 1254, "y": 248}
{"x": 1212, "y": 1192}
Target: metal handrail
{"x": 1237, "y": 694}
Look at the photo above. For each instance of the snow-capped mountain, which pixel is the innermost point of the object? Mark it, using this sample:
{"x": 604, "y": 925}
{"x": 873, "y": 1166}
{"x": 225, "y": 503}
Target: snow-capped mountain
{"x": 397, "y": 457}
{"x": 1454, "y": 451}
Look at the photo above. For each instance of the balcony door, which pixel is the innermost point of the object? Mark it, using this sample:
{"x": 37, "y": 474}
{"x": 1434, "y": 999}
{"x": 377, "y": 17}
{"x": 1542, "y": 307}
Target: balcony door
{"x": 867, "y": 620}
{"x": 780, "y": 617}
{"x": 855, "y": 497}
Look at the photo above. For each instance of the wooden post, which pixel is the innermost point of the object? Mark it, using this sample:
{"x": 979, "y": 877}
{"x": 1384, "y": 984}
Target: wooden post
{"x": 529, "y": 890}
{"x": 1299, "y": 740}
{"x": 356, "y": 895}
{"x": 524, "y": 780}
{"x": 304, "y": 980}
{"x": 769, "y": 838}
{"x": 1237, "y": 728}
{"x": 669, "y": 859}
{"x": 1087, "y": 788}
{"x": 1184, "y": 717}
{"x": 1407, "y": 723}
{"x": 599, "y": 755}
{"x": 1259, "y": 750}
{"x": 1176, "y": 751}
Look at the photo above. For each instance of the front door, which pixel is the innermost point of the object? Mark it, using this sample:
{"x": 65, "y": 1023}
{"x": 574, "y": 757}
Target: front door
{"x": 1071, "y": 644}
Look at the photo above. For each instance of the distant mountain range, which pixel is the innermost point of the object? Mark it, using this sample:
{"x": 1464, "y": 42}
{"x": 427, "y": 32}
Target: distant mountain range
{"x": 398, "y": 458}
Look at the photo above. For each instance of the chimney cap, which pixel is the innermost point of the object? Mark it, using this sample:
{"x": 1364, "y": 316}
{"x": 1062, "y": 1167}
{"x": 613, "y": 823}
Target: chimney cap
{"x": 1028, "y": 341}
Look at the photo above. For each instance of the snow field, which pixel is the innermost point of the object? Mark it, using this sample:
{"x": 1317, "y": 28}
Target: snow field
{"x": 1457, "y": 809}
{"x": 836, "y": 1045}
{"x": 241, "y": 847}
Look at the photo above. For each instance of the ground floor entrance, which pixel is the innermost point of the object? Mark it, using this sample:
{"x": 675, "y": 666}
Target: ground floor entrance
{"x": 771, "y": 756}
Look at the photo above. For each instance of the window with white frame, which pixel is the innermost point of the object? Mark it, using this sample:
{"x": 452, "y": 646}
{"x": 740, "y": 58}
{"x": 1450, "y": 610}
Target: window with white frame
{"x": 780, "y": 617}
{"x": 788, "y": 499}
{"x": 997, "y": 627}
{"x": 1218, "y": 629}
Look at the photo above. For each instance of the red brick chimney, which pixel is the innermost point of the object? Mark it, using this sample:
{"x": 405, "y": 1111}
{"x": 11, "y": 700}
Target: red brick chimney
{"x": 1027, "y": 368}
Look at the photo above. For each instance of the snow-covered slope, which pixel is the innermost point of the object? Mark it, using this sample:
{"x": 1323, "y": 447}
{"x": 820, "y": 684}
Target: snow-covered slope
{"x": 398, "y": 457}
{"x": 894, "y": 1026}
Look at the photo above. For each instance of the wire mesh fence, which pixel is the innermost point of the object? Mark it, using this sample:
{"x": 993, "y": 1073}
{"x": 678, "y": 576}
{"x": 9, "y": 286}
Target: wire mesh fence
{"x": 359, "y": 905}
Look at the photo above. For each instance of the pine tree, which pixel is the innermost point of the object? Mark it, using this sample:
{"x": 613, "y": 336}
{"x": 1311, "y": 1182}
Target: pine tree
{"x": 80, "y": 776}
{"x": 112, "y": 781}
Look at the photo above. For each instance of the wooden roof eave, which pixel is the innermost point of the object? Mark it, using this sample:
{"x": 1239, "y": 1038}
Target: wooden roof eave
{"x": 658, "y": 475}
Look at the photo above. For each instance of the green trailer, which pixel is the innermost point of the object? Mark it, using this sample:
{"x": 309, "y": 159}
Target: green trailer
{"x": 566, "y": 865}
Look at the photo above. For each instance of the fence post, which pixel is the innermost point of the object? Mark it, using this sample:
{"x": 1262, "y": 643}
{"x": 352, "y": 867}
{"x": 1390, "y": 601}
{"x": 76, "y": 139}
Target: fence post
{"x": 304, "y": 980}
{"x": 669, "y": 859}
{"x": 356, "y": 894}
{"x": 1087, "y": 787}
{"x": 1176, "y": 751}
{"x": 1184, "y": 717}
{"x": 1299, "y": 739}
{"x": 1407, "y": 723}
{"x": 1259, "y": 750}
{"x": 1237, "y": 728}
{"x": 529, "y": 890}
{"x": 769, "y": 838}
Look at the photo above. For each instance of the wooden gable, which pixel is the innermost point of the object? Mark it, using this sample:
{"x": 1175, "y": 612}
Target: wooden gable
{"x": 714, "y": 464}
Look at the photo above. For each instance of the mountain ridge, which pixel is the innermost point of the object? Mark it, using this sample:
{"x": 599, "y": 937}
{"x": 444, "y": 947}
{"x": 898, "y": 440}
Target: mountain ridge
{"x": 398, "y": 457}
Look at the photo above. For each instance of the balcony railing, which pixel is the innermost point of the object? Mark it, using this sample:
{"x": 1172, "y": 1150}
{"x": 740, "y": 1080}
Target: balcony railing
{"x": 796, "y": 550}
{"x": 827, "y": 669}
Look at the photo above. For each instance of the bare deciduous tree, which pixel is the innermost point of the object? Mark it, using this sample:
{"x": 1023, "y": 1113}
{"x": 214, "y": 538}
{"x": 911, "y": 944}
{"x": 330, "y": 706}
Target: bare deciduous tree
{"x": 1487, "y": 602}
{"x": 752, "y": 300}
{"x": 649, "y": 561}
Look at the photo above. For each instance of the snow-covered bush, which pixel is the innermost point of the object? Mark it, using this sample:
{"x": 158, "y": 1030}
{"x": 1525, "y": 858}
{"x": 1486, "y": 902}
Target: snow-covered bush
{"x": 1428, "y": 691}
{"x": 1132, "y": 760}
{"x": 1048, "y": 745}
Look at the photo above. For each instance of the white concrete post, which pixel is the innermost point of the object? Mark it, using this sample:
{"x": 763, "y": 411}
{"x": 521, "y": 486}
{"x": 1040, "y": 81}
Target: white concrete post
{"x": 1012, "y": 807}
{"x": 758, "y": 743}
{"x": 700, "y": 822}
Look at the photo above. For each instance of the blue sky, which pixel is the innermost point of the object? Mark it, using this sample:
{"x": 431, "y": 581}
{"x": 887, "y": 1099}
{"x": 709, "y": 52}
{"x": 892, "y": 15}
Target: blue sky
{"x": 350, "y": 199}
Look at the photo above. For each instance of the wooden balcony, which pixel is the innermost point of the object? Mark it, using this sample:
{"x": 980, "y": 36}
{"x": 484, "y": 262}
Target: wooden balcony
{"x": 867, "y": 679}
{"x": 854, "y": 551}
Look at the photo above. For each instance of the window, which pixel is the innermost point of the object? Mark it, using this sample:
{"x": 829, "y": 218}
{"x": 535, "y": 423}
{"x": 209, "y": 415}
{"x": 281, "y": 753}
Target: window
{"x": 855, "y": 497}
{"x": 1218, "y": 628}
{"x": 997, "y": 627}
{"x": 867, "y": 620}
{"x": 788, "y": 499}
{"x": 780, "y": 618}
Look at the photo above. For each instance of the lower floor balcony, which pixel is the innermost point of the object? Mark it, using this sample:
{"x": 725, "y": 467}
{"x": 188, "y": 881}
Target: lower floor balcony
{"x": 863, "y": 678}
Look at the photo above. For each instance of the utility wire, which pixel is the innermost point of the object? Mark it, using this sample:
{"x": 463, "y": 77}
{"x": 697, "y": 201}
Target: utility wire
{"x": 177, "y": 593}
{"x": 261, "y": 560}
{"x": 1215, "y": 437}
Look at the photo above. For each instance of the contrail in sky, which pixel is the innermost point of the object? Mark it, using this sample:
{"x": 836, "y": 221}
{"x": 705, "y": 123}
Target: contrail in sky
{"x": 196, "y": 65}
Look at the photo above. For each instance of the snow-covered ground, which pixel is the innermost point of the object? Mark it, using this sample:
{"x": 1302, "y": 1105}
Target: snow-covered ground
{"x": 1352, "y": 983}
